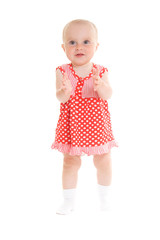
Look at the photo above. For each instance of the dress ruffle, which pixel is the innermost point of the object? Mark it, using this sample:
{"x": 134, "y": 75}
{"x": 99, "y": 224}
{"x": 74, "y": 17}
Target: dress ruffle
{"x": 66, "y": 148}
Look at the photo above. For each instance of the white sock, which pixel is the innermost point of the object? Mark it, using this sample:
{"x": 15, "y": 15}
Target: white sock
{"x": 68, "y": 203}
{"x": 105, "y": 196}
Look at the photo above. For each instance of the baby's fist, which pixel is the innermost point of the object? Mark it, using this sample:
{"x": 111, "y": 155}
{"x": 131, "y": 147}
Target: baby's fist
{"x": 97, "y": 81}
{"x": 66, "y": 84}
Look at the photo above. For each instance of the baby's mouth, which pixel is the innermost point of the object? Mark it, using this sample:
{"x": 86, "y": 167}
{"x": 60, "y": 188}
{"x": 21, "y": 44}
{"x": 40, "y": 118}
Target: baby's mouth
{"x": 79, "y": 55}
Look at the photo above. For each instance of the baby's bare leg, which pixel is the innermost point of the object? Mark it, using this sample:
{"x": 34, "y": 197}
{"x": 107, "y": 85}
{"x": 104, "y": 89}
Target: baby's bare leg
{"x": 71, "y": 165}
{"x": 103, "y": 165}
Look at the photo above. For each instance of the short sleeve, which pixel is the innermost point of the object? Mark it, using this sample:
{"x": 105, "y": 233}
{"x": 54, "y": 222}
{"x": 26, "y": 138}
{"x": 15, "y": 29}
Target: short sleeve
{"x": 61, "y": 69}
{"x": 103, "y": 69}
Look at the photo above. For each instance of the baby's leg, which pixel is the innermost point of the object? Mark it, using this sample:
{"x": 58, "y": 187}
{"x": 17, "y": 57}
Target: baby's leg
{"x": 71, "y": 165}
{"x": 103, "y": 165}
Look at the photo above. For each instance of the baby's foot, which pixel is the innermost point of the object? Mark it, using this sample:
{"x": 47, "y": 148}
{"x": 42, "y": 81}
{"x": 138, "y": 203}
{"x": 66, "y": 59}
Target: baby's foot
{"x": 65, "y": 208}
{"x": 105, "y": 205}
{"x": 105, "y": 195}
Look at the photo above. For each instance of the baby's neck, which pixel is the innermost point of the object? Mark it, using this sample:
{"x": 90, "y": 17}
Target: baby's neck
{"x": 83, "y": 70}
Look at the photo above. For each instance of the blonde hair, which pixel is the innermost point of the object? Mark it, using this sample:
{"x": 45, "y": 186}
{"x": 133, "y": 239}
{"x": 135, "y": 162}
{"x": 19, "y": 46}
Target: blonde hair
{"x": 79, "y": 21}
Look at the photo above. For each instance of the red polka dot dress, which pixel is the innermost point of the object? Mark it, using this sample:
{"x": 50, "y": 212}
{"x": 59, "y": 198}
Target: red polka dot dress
{"x": 84, "y": 124}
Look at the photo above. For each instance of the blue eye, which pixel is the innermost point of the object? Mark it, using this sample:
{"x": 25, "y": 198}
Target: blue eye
{"x": 86, "y": 42}
{"x": 72, "y": 43}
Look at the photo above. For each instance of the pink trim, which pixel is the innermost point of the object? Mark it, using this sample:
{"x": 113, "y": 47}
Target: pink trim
{"x": 66, "y": 148}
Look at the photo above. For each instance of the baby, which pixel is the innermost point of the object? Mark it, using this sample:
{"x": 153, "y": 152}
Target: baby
{"x": 84, "y": 124}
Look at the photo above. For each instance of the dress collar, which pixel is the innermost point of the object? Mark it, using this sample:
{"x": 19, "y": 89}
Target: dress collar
{"x": 76, "y": 76}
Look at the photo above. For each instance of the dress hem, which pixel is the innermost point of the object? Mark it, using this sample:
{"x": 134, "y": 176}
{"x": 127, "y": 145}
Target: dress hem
{"x": 66, "y": 148}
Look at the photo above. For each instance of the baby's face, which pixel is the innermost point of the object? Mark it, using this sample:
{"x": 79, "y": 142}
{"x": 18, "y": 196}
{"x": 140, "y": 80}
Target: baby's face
{"x": 80, "y": 43}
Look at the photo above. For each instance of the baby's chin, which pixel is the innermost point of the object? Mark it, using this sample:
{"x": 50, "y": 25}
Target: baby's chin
{"x": 80, "y": 61}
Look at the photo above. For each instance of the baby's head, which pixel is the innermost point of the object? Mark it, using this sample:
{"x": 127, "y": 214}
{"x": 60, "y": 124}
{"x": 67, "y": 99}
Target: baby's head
{"x": 80, "y": 41}
{"x": 80, "y": 22}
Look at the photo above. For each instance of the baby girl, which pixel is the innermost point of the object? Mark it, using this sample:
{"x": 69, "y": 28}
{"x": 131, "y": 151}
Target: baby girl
{"x": 84, "y": 124}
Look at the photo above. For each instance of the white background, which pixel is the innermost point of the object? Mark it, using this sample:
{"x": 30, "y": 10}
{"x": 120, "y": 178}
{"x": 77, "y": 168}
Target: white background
{"x": 30, "y": 172}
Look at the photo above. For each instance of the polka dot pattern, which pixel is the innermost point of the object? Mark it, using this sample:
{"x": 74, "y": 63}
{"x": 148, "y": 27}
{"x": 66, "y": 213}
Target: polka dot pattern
{"x": 84, "y": 124}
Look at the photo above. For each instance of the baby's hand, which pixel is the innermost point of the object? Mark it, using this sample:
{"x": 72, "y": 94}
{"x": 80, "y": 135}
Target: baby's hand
{"x": 66, "y": 84}
{"x": 98, "y": 82}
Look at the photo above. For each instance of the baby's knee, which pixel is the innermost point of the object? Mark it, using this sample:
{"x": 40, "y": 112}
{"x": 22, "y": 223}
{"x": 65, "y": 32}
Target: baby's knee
{"x": 102, "y": 161}
{"x": 71, "y": 162}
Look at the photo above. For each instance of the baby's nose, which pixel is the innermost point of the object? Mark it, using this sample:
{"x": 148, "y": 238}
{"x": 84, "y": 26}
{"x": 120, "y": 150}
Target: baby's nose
{"x": 79, "y": 46}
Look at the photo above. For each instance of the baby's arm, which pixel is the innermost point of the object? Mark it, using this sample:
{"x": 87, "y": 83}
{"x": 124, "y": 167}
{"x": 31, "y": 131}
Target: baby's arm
{"x": 62, "y": 91}
{"x": 106, "y": 90}
{"x": 101, "y": 85}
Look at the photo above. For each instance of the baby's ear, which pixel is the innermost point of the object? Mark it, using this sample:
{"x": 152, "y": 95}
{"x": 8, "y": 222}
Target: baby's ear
{"x": 62, "y": 45}
{"x": 97, "y": 46}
